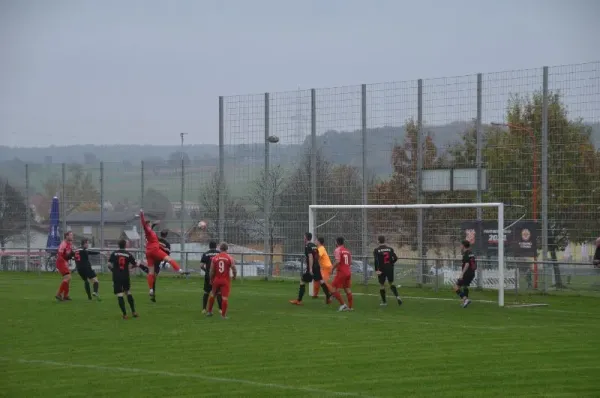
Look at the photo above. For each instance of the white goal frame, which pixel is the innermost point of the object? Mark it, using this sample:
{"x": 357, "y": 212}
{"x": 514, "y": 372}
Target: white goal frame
{"x": 312, "y": 213}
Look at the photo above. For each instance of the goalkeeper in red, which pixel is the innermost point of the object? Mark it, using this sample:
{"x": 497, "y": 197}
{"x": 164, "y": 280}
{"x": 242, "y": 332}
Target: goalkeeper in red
{"x": 154, "y": 252}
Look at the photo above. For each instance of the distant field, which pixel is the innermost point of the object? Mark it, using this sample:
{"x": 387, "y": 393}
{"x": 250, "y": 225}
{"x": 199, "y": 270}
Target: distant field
{"x": 429, "y": 347}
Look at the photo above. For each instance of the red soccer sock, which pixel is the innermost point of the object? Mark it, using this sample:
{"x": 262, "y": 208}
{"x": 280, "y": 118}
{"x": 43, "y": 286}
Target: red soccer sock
{"x": 65, "y": 288}
{"x": 150, "y": 279}
{"x": 61, "y": 288}
{"x": 316, "y": 288}
{"x": 350, "y": 299}
{"x": 174, "y": 264}
{"x": 224, "y": 308}
{"x": 211, "y": 303}
{"x": 338, "y": 297}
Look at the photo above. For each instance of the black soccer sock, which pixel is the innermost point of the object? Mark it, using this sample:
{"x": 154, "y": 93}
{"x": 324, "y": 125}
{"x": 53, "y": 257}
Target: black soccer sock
{"x": 220, "y": 301}
{"x": 86, "y": 285}
{"x": 205, "y": 300}
{"x": 301, "y": 291}
{"x": 131, "y": 302}
{"x": 466, "y": 292}
{"x": 382, "y": 294}
{"x": 122, "y": 304}
{"x": 460, "y": 293}
{"x": 325, "y": 289}
{"x": 394, "y": 290}
{"x": 96, "y": 287}
{"x": 154, "y": 284}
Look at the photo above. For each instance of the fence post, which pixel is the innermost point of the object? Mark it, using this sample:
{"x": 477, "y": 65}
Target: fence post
{"x": 222, "y": 182}
{"x": 267, "y": 192}
{"x": 365, "y": 187}
{"x": 63, "y": 200}
{"x": 142, "y": 183}
{"x": 479, "y": 138}
{"x": 28, "y": 218}
{"x": 545, "y": 174}
{"x": 181, "y": 211}
{"x": 420, "y": 263}
{"x": 101, "y": 205}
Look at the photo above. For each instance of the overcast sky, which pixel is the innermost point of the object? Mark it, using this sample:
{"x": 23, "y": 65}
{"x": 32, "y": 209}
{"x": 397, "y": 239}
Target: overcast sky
{"x": 142, "y": 71}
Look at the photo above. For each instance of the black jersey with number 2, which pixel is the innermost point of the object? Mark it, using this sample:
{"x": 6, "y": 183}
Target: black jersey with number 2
{"x": 384, "y": 257}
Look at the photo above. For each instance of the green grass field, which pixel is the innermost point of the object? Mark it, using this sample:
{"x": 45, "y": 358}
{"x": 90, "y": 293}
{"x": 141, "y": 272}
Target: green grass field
{"x": 429, "y": 347}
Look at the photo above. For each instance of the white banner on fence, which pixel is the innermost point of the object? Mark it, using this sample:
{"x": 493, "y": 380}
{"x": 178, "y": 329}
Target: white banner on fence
{"x": 489, "y": 278}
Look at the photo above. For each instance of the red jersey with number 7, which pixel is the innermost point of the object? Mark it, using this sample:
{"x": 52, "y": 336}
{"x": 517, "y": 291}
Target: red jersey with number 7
{"x": 222, "y": 263}
{"x": 344, "y": 259}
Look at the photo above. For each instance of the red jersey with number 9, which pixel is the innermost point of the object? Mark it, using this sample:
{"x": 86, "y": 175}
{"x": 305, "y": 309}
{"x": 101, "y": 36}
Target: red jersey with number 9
{"x": 222, "y": 263}
{"x": 344, "y": 259}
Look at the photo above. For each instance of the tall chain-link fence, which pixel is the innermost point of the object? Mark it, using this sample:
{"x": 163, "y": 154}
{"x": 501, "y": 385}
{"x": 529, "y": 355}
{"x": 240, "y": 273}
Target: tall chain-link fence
{"x": 527, "y": 138}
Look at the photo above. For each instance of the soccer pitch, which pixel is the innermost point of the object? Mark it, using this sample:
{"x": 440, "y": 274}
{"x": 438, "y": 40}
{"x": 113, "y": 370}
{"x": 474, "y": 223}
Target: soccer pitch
{"x": 269, "y": 348}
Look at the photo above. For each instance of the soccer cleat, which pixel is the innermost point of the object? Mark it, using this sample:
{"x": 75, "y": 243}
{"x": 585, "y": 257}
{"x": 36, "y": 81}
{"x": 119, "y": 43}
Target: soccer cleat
{"x": 58, "y": 298}
{"x": 466, "y": 303}
{"x": 329, "y": 300}
{"x": 135, "y": 315}
{"x": 182, "y": 272}
{"x": 399, "y": 300}
{"x": 153, "y": 298}
{"x": 224, "y": 317}
{"x": 296, "y": 302}
{"x": 204, "y": 311}
{"x": 67, "y": 298}
{"x": 125, "y": 317}
{"x": 97, "y": 296}
{"x": 383, "y": 304}
{"x": 343, "y": 307}
{"x": 209, "y": 314}
{"x": 315, "y": 297}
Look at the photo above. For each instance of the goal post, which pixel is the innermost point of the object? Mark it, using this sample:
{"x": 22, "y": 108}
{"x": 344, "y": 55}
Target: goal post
{"x": 312, "y": 225}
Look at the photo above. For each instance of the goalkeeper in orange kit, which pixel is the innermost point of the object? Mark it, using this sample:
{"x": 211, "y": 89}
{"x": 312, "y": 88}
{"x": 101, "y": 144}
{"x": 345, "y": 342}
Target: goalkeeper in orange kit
{"x": 325, "y": 263}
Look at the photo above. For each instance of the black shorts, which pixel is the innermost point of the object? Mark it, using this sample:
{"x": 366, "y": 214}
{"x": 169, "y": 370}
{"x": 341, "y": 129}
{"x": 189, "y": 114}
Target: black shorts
{"x": 317, "y": 277}
{"x": 466, "y": 280}
{"x": 121, "y": 285}
{"x": 307, "y": 277}
{"x": 157, "y": 268}
{"x": 86, "y": 273}
{"x": 387, "y": 273}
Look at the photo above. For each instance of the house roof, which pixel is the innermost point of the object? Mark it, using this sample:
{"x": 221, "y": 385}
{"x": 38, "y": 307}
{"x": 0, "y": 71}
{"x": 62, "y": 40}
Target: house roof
{"x": 115, "y": 217}
{"x": 132, "y": 234}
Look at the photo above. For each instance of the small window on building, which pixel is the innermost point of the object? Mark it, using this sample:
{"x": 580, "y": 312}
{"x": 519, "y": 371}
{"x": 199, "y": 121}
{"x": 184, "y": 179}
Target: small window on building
{"x": 87, "y": 230}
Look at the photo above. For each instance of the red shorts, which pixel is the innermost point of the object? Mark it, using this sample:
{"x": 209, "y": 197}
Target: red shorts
{"x": 342, "y": 281}
{"x": 154, "y": 256}
{"x": 63, "y": 269}
{"x": 223, "y": 285}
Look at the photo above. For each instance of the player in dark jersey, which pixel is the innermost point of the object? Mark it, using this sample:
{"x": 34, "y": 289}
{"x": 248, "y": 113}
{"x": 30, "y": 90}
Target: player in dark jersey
{"x": 119, "y": 262}
{"x": 206, "y": 261}
{"x": 313, "y": 271}
{"x": 84, "y": 268}
{"x": 158, "y": 265}
{"x": 468, "y": 267}
{"x": 385, "y": 258}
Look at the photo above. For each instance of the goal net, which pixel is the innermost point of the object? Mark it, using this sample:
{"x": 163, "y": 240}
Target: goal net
{"x": 426, "y": 237}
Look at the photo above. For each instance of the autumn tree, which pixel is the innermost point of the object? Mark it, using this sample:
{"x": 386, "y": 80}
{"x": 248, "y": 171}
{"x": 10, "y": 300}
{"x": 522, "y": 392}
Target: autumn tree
{"x": 81, "y": 193}
{"x": 13, "y": 214}
{"x": 573, "y": 169}
{"x": 268, "y": 186}
{"x": 237, "y": 220}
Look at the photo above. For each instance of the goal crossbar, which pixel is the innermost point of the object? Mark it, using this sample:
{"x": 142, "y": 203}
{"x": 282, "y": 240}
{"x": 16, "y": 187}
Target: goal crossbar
{"x": 500, "y": 206}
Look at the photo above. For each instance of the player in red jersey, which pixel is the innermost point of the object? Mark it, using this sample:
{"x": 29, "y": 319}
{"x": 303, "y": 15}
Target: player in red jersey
{"x": 154, "y": 253}
{"x": 220, "y": 279}
{"x": 65, "y": 252}
{"x": 343, "y": 276}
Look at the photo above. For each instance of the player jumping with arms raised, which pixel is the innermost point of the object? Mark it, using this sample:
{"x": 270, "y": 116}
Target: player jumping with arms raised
{"x": 469, "y": 265}
{"x": 385, "y": 258}
{"x": 343, "y": 276}
{"x": 119, "y": 262}
{"x": 220, "y": 279}
{"x": 206, "y": 262}
{"x": 154, "y": 253}
{"x": 84, "y": 268}
{"x": 155, "y": 270}
{"x": 65, "y": 252}
{"x": 313, "y": 271}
